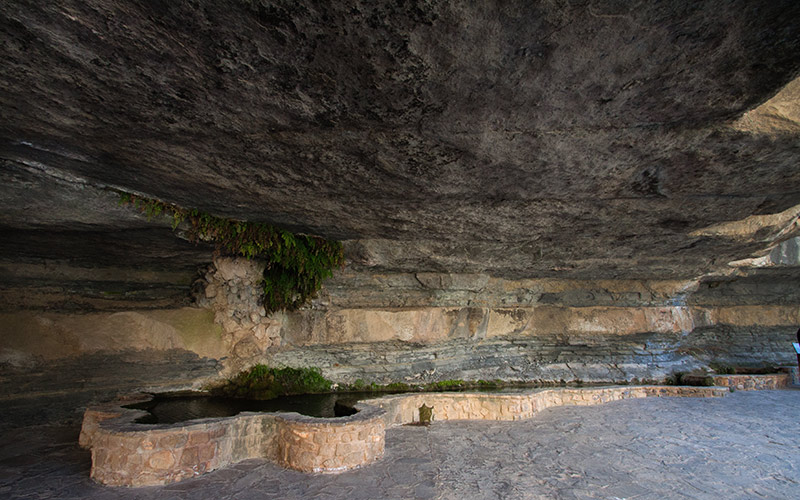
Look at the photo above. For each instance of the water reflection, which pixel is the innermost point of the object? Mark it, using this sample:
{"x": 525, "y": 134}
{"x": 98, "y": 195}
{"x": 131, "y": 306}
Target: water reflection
{"x": 173, "y": 408}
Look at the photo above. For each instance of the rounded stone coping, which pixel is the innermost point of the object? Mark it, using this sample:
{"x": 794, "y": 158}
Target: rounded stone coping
{"x": 365, "y": 412}
{"x": 125, "y": 453}
{"x": 124, "y": 419}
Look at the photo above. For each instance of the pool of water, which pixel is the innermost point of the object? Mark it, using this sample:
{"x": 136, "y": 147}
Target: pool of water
{"x": 171, "y": 408}
{"x": 179, "y": 407}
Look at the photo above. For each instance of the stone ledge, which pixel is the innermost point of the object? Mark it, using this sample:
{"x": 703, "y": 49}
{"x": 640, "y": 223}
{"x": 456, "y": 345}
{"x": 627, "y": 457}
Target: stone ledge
{"x": 403, "y": 409}
{"x": 753, "y": 382}
{"x": 125, "y": 453}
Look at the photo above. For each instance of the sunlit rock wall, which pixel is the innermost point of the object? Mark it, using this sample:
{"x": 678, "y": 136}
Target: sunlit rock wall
{"x": 401, "y": 327}
{"x": 476, "y": 327}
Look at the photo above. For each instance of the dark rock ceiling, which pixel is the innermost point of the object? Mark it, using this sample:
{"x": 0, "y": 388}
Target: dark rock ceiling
{"x": 521, "y": 139}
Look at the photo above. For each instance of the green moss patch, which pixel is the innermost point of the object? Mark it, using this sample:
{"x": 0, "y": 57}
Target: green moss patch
{"x": 264, "y": 382}
{"x": 442, "y": 385}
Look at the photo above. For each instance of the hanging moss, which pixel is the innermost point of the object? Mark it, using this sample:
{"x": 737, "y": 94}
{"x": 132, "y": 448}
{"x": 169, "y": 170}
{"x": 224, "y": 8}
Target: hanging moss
{"x": 297, "y": 264}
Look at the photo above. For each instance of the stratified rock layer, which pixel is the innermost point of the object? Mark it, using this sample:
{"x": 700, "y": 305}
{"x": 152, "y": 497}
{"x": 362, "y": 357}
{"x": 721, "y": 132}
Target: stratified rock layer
{"x": 432, "y": 328}
{"x": 525, "y": 191}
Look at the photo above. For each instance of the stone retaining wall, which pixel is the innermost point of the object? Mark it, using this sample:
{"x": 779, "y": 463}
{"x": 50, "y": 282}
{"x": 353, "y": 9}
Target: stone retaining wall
{"x": 404, "y": 408}
{"x": 753, "y": 382}
{"x": 125, "y": 453}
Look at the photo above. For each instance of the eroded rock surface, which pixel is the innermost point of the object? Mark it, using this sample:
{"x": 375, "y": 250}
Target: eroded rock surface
{"x": 528, "y": 139}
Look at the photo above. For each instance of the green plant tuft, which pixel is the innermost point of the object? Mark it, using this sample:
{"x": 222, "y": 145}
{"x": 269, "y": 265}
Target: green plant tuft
{"x": 396, "y": 386}
{"x": 696, "y": 378}
{"x": 360, "y": 385}
{"x": 264, "y": 382}
{"x": 445, "y": 385}
{"x": 721, "y": 368}
{"x": 675, "y": 379}
{"x": 297, "y": 264}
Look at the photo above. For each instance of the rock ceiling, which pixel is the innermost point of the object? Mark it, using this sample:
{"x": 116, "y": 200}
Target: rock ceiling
{"x": 524, "y": 139}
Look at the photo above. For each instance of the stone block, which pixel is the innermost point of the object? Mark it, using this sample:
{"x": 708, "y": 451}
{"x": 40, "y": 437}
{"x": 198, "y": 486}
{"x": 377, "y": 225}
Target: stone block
{"x": 172, "y": 440}
{"x": 206, "y": 452}
{"x": 355, "y": 458}
{"x": 161, "y": 460}
{"x": 198, "y": 437}
{"x": 343, "y": 449}
{"x": 327, "y": 451}
{"x": 189, "y": 457}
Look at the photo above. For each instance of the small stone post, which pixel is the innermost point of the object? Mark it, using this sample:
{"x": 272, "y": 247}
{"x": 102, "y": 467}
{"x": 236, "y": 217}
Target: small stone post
{"x": 425, "y": 414}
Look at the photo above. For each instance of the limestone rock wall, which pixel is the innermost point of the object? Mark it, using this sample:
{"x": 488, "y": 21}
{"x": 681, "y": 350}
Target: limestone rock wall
{"x": 45, "y": 391}
{"x": 401, "y": 327}
{"x": 634, "y": 169}
{"x": 52, "y": 364}
{"x": 432, "y": 326}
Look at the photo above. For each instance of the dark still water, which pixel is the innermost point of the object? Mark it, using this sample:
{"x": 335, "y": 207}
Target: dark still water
{"x": 170, "y": 408}
{"x": 180, "y": 407}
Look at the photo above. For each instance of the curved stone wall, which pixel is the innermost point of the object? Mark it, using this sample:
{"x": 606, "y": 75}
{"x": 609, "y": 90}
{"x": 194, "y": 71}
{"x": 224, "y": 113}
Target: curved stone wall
{"x": 125, "y": 453}
{"x": 313, "y": 444}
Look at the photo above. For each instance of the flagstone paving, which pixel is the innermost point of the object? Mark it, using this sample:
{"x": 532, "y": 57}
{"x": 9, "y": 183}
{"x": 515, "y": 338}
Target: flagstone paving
{"x": 746, "y": 445}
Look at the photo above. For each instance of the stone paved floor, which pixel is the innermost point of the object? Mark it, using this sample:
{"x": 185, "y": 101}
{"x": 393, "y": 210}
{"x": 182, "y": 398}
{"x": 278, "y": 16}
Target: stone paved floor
{"x": 746, "y": 445}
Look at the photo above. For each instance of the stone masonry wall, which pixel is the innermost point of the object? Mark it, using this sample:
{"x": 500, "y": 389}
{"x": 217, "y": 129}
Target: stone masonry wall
{"x": 404, "y": 408}
{"x": 128, "y": 454}
{"x": 427, "y": 326}
{"x": 753, "y": 382}
{"x": 330, "y": 445}
{"x": 122, "y": 456}
{"x": 231, "y": 288}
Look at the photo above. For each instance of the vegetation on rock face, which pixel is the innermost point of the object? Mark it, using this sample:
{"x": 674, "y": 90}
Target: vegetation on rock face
{"x": 750, "y": 369}
{"x": 674, "y": 379}
{"x": 696, "y": 378}
{"x": 443, "y": 385}
{"x": 721, "y": 368}
{"x": 263, "y": 382}
{"x": 297, "y": 264}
